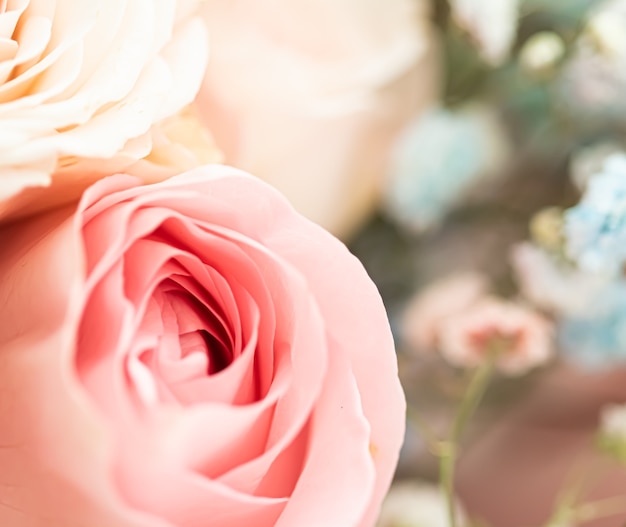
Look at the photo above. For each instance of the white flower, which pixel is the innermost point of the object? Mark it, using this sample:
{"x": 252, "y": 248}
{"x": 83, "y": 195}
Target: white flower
{"x": 492, "y": 23}
{"x": 542, "y": 51}
{"x": 605, "y": 27}
{"x": 612, "y": 437}
{"x": 594, "y": 78}
{"x": 589, "y": 161}
{"x": 87, "y": 80}
{"x": 416, "y": 504}
{"x": 310, "y": 94}
{"x": 613, "y": 420}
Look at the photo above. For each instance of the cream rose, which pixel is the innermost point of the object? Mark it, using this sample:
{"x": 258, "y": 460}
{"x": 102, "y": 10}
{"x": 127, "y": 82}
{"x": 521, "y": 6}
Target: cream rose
{"x": 191, "y": 353}
{"x": 310, "y": 94}
{"x": 82, "y": 82}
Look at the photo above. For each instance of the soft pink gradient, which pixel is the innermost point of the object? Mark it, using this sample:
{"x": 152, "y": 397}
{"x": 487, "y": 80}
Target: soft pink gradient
{"x": 118, "y": 409}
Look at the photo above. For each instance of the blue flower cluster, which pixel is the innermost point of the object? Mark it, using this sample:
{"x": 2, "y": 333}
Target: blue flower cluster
{"x": 596, "y": 339}
{"x": 595, "y": 236}
{"x": 595, "y": 229}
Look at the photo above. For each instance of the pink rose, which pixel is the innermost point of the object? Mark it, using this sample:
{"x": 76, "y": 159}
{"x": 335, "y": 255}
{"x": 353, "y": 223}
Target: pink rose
{"x": 81, "y": 85}
{"x": 310, "y": 95}
{"x": 191, "y": 353}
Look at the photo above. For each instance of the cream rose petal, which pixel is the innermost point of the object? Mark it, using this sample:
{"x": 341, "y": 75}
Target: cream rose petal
{"x": 492, "y": 24}
{"x": 87, "y": 80}
{"x": 309, "y": 95}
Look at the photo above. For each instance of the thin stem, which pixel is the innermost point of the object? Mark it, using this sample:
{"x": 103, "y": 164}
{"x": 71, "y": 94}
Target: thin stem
{"x": 447, "y": 465}
{"x": 474, "y": 394}
{"x": 600, "y": 508}
{"x": 568, "y": 513}
{"x": 580, "y": 480}
{"x": 568, "y": 497}
{"x": 449, "y": 450}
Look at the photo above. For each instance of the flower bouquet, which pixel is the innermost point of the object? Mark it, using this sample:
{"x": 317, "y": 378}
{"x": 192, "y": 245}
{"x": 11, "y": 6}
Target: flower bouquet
{"x": 186, "y": 342}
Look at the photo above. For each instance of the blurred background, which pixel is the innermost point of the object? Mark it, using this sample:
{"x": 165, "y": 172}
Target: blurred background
{"x": 490, "y": 182}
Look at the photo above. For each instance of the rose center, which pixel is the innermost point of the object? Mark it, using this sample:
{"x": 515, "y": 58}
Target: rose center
{"x": 193, "y": 341}
{"x": 201, "y": 341}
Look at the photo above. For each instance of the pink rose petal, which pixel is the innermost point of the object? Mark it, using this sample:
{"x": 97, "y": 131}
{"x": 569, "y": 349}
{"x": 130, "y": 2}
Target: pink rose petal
{"x": 191, "y": 351}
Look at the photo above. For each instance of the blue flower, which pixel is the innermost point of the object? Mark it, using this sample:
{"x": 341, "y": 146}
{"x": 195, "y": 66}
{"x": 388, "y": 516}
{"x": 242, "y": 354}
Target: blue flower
{"x": 595, "y": 229}
{"x": 596, "y": 339}
{"x": 438, "y": 159}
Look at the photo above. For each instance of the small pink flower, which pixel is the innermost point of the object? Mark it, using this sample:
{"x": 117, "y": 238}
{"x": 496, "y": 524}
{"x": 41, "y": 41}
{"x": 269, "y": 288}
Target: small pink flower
{"x": 521, "y": 337}
{"x": 416, "y": 503}
{"x": 436, "y": 303}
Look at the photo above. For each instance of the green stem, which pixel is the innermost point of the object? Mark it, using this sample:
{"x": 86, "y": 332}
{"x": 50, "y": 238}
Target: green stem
{"x": 575, "y": 486}
{"x": 567, "y": 510}
{"x": 585, "y": 512}
{"x": 449, "y": 450}
{"x": 474, "y": 394}
{"x": 447, "y": 464}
